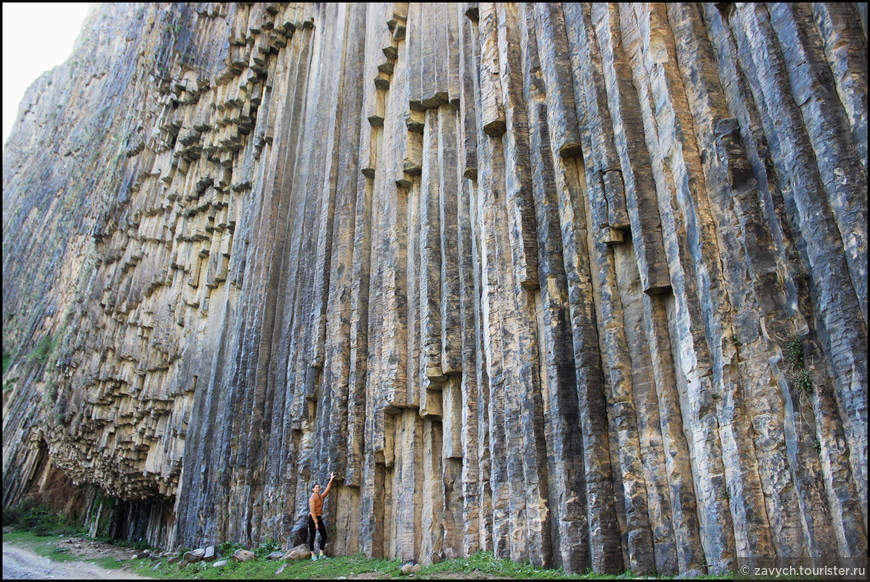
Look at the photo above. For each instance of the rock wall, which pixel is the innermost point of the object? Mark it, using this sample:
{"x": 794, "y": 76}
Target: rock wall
{"x": 577, "y": 283}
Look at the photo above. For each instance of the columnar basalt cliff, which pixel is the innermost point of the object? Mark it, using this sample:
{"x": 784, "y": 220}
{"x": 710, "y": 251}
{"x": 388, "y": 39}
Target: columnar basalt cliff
{"x": 577, "y": 283}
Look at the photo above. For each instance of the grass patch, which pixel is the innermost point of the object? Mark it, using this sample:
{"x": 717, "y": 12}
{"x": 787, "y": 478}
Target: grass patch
{"x": 261, "y": 568}
{"x": 39, "y": 519}
{"x": 475, "y": 566}
{"x": 107, "y": 563}
{"x": 481, "y": 564}
{"x": 122, "y": 543}
{"x": 44, "y": 545}
{"x": 48, "y": 547}
{"x": 798, "y": 372}
{"x": 478, "y": 565}
{"x": 487, "y": 563}
{"x": 9, "y": 384}
{"x": 43, "y": 350}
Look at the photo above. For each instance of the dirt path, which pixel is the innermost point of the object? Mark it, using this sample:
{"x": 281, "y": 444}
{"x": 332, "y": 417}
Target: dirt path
{"x": 22, "y": 564}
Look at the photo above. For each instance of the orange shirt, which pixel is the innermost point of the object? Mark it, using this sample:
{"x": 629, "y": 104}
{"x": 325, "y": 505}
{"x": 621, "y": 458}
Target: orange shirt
{"x": 315, "y": 504}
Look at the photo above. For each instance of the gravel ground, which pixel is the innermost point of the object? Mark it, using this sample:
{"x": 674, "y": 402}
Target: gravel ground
{"x": 22, "y": 564}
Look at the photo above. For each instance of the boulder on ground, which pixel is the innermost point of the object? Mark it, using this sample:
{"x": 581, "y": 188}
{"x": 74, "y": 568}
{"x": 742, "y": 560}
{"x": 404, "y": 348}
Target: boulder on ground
{"x": 194, "y": 556}
{"x": 243, "y": 555}
{"x": 300, "y": 552}
{"x": 410, "y": 567}
{"x": 220, "y": 563}
{"x": 210, "y": 554}
{"x": 275, "y": 555}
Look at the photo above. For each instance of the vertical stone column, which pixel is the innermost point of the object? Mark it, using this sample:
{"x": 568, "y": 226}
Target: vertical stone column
{"x": 792, "y": 154}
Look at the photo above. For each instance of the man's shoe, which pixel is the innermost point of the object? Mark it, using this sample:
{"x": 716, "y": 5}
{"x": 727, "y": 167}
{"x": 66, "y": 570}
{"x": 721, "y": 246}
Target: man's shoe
{"x": 314, "y": 558}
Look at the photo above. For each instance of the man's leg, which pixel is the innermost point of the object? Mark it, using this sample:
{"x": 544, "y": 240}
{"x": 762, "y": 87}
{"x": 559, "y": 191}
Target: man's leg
{"x": 312, "y": 530}
{"x": 323, "y": 538}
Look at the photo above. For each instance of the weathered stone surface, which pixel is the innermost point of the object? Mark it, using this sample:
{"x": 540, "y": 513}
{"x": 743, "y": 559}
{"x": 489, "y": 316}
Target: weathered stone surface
{"x": 298, "y": 553}
{"x": 194, "y": 556}
{"x": 577, "y": 283}
{"x": 243, "y": 555}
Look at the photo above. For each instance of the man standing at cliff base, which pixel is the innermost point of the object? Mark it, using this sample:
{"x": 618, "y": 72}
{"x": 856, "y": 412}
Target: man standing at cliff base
{"x": 315, "y": 517}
